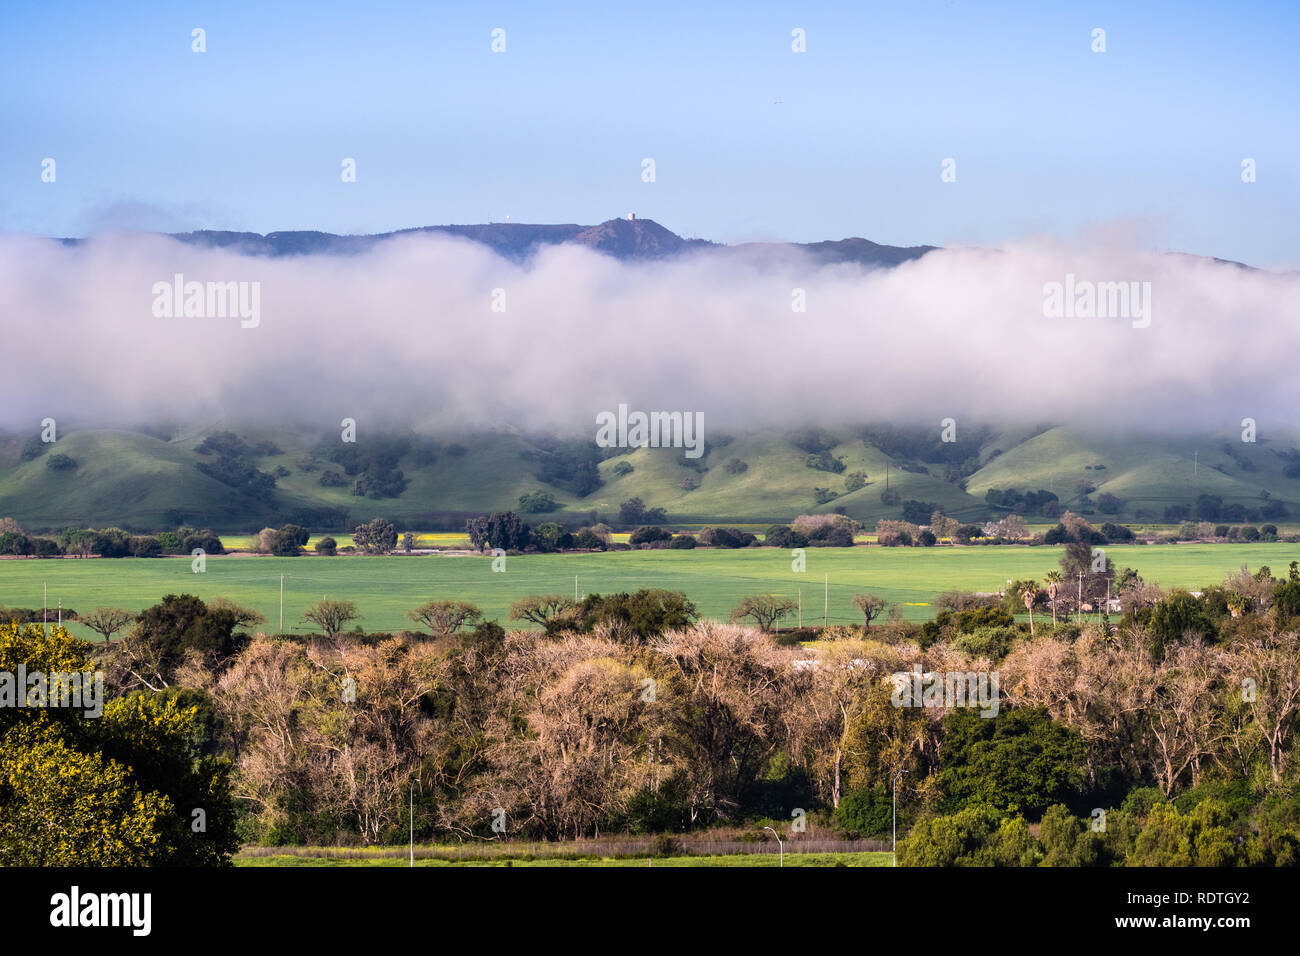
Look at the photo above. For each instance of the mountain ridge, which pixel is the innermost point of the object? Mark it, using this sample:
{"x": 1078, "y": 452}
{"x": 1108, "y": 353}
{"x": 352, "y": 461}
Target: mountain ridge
{"x": 628, "y": 240}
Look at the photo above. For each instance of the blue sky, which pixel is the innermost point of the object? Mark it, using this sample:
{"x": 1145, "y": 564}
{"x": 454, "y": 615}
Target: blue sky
{"x": 750, "y": 140}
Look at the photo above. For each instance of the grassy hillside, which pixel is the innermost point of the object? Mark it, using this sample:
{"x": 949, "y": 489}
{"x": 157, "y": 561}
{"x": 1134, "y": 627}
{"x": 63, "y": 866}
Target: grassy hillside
{"x": 142, "y": 482}
{"x": 1147, "y": 473}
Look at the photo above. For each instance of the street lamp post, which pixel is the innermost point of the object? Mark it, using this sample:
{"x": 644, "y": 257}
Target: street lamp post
{"x": 780, "y": 847}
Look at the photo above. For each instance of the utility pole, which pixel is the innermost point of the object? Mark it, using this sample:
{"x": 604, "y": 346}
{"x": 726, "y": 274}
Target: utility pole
{"x": 282, "y": 604}
{"x": 45, "y": 607}
{"x": 801, "y": 609}
{"x": 575, "y": 587}
{"x": 1078, "y": 614}
{"x": 826, "y": 614}
{"x": 897, "y": 777}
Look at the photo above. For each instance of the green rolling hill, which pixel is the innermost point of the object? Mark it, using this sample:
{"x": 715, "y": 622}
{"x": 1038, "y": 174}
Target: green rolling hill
{"x": 142, "y": 481}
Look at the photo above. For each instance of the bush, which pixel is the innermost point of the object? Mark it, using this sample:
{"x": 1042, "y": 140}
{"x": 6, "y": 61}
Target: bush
{"x": 34, "y": 448}
{"x": 46, "y": 548}
{"x": 145, "y": 547}
{"x": 918, "y": 512}
{"x": 649, "y": 535}
{"x": 634, "y": 512}
{"x": 726, "y": 538}
{"x": 537, "y": 502}
{"x": 664, "y": 844}
{"x": 15, "y": 542}
{"x": 171, "y": 543}
{"x": 683, "y": 542}
{"x": 1108, "y": 504}
{"x": 60, "y": 463}
{"x": 863, "y": 814}
{"x": 783, "y": 536}
{"x": 204, "y": 539}
{"x": 831, "y": 536}
{"x": 327, "y": 545}
{"x": 379, "y": 536}
{"x": 825, "y": 461}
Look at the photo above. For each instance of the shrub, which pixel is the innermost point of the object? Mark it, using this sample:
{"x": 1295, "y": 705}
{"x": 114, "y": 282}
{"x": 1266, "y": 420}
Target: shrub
{"x": 864, "y": 813}
{"x": 783, "y": 536}
{"x": 649, "y": 534}
{"x": 145, "y": 547}
{"x": 726, "y": 538}
{"x": 46, "y": 547}
{"x": 327, "y": 545}
{"x": 831, "y": 536}
{"x": 537, "y": 502}
{"x": 634, "y": 512}
{"x": 918, "y": 512}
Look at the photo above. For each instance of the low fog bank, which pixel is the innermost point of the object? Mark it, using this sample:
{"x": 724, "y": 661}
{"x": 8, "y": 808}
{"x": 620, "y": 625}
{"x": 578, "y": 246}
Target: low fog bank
{"x": 435, "y": 332}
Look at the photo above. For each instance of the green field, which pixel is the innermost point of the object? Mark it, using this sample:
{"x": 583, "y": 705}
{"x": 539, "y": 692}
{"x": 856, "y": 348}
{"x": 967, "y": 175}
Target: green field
{"x": 385, "y": 588}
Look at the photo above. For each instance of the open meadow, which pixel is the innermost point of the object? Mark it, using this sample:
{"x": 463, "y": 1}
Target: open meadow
{"x": 385, "y": 588}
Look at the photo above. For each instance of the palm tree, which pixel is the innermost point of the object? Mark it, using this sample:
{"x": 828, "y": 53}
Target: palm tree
{"x": 1029, "y": 594}
{"x": 1053, "y": 579}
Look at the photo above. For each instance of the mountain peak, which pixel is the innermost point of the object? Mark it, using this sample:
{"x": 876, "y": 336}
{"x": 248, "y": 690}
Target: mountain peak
{"x": 633, "y": 238}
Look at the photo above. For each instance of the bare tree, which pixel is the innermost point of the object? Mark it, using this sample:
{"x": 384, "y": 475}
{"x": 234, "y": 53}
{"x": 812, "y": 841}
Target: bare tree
{"x": 1267, "y": 669}
{"x": 331, "y": 616}
{"x": 828, "y": 699}
{"x": 764, "y": 610}
{"x": 107, "y": 621}
{"x": 445, "y": 618}
{"x": 544, "y": 610}
{"x": 871, "y": 606}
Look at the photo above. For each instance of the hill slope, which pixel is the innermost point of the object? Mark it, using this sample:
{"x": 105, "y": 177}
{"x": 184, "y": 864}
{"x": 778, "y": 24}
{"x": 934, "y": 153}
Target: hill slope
{"x": 141, "y": 482}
